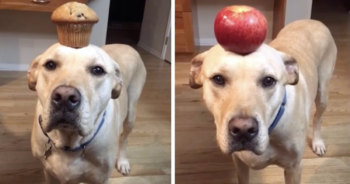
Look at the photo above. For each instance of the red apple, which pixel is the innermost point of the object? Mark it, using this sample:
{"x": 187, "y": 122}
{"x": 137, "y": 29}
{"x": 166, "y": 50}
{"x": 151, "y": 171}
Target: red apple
{"x": 240, "y": 29}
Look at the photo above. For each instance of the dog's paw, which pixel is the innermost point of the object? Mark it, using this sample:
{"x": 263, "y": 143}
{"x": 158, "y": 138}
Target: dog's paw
{"x": 123, "y": 166}
{"x": 318, "y": 147}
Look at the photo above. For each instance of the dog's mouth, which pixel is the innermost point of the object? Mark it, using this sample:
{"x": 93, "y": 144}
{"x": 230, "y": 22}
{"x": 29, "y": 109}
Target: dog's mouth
{"x": 244, "y": 146}
{"x": 65, "y": 125}
{"x": 64, "y": 120}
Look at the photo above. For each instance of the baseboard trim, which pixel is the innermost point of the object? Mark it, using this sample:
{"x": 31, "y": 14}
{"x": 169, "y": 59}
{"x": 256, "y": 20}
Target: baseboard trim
{"x": 150, "y": 50}
{"x": 14, "y": 67}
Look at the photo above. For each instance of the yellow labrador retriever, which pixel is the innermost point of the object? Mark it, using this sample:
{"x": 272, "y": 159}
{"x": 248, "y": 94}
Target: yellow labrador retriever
{"x": 261, "y": 102}
{"x": 85, "y": 97}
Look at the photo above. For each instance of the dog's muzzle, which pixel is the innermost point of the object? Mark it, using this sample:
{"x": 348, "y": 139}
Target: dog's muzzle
{"x": 65, "y": 101}
{"x": 242, "y": 132}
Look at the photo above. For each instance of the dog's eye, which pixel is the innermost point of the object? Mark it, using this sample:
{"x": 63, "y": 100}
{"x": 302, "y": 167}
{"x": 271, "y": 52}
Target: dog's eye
{"x": 219, "y": 80}
{"x": 50, "y": 65}
{"x": 268, "y": 81}
{"x": 97, "y": 71}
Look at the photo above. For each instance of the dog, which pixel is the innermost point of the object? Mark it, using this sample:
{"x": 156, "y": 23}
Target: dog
{"x": 262, "y": 101}
{"x": 86, "y": 98}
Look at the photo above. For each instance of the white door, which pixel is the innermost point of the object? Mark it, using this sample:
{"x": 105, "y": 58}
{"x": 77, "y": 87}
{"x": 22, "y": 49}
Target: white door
{"x": 168, "y": 49}
{"x": 154, "y": 26}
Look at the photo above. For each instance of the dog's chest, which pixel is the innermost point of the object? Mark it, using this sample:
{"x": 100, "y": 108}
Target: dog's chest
{"x": 272, "y": 156}
{"x": 75, "y": 170}
{"x": 255, "y": 162}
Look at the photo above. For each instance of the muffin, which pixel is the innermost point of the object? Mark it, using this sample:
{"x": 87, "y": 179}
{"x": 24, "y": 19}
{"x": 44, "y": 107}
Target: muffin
{"x": 74, "y": 22}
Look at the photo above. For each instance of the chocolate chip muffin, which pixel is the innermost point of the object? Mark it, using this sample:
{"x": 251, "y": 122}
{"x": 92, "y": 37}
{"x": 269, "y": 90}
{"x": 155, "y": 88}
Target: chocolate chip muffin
{"x": 74, "y": 22}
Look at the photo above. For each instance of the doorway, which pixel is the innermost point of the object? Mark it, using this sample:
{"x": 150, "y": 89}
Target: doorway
{"x": 141, "y": 23}
{"x": 125, "y": 21}
{"x": 166, "y": 51}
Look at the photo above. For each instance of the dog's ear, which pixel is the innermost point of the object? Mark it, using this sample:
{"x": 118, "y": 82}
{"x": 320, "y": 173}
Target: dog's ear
{"x": 32, "y": 73}
{"x": 291, "y": 68}
{"x": 118, "y": 83}
{"x": 195, "y": 80}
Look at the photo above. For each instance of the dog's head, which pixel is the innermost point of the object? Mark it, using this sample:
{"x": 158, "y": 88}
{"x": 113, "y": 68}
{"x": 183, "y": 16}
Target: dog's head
{"x": 74, "y": 86}
{"x": 243, "y": 93}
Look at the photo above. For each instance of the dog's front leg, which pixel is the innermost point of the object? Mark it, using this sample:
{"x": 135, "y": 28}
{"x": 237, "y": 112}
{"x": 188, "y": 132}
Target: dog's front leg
{"x": 242, "y": 170}
{"x": 293, "y": 175}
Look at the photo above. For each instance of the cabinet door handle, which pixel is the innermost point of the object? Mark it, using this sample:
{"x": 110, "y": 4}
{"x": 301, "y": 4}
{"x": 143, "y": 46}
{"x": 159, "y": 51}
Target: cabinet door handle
{"x": 40, "y": 1}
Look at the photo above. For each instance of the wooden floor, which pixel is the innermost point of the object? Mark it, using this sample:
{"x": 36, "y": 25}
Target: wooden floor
{"x": 149, "y": 150}
{"x": 199, "y": 160}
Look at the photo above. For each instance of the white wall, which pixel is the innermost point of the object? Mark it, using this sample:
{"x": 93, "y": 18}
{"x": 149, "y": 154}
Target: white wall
{"x": 25, "y": 34}
{"x": 204, "y": 12}
{"x": 101, "y": 7}
{"x": 154, "y": 25}
{"x": 298, "y": 9}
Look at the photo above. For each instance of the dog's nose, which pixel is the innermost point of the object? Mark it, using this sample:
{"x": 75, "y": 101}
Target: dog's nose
{"x": 66, "y": 96}
{"x": 243, "y": 128}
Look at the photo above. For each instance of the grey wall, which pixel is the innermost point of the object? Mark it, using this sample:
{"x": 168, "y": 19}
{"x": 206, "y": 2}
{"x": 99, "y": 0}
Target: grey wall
{"x": 25, "y": 34}
{"x": 298, "y": 9}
